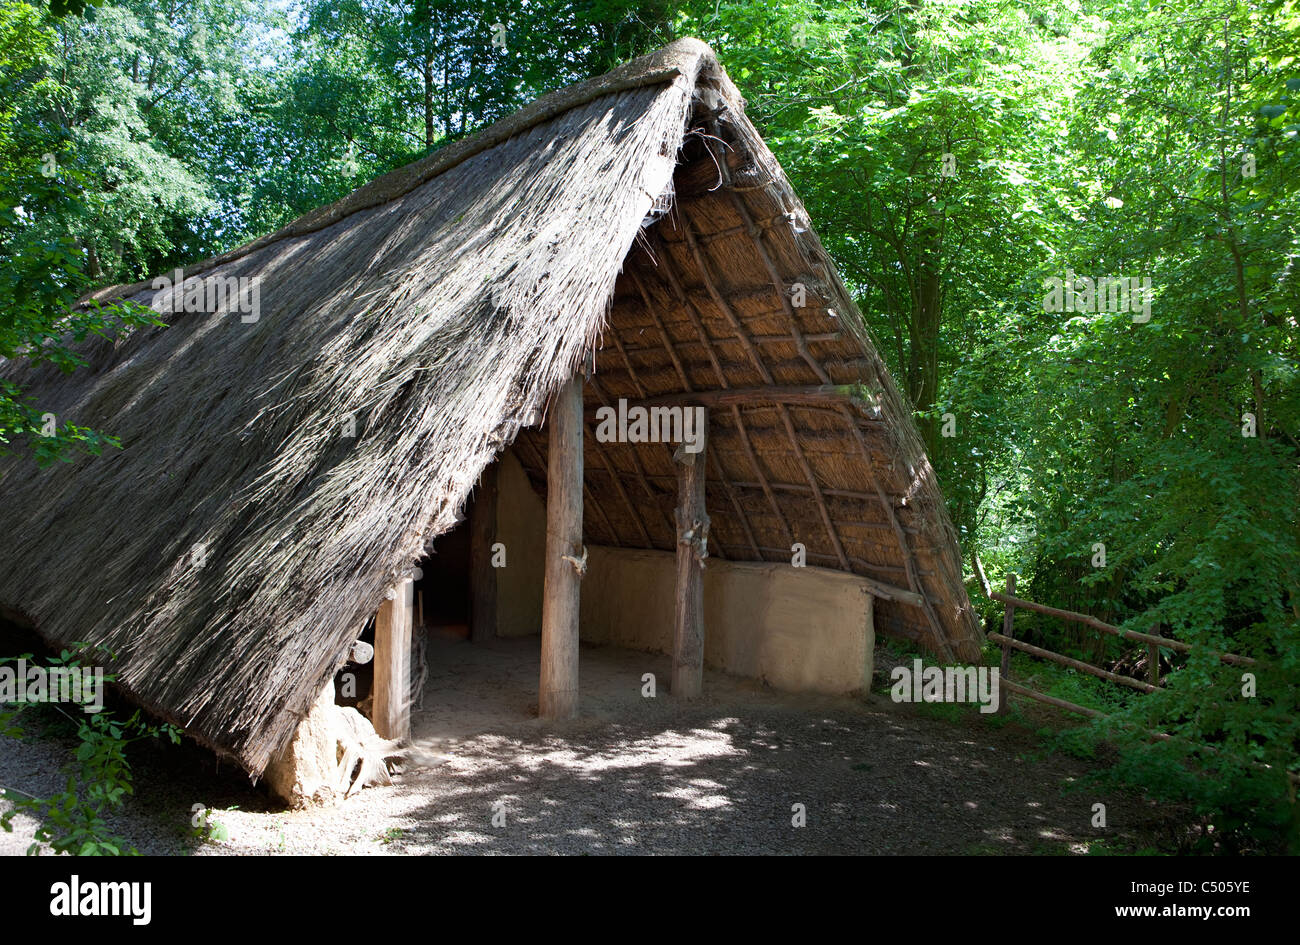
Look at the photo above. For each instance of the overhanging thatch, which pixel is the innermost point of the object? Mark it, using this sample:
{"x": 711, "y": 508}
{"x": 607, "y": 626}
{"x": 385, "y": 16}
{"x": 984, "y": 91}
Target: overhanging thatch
{"x": 440, "y": 306}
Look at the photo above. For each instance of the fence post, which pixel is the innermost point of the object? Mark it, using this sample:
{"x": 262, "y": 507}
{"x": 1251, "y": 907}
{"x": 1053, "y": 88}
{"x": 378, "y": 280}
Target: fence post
{"x": 1008, "y": 630}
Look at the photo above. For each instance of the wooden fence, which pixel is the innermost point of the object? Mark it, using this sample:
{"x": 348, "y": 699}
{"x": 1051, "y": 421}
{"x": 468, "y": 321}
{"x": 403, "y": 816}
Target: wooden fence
{"x": 1008, "y": 642}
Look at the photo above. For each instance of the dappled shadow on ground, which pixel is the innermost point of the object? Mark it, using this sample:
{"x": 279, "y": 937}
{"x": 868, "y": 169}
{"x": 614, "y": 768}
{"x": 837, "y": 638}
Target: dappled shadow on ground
{"x": 721, "y": 775}
{"x": 709, "y": 782}
{"x": 724, "y": 775}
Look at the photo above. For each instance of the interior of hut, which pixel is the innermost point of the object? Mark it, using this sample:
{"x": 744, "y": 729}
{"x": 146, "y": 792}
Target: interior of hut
{"x": 721, "y": 294}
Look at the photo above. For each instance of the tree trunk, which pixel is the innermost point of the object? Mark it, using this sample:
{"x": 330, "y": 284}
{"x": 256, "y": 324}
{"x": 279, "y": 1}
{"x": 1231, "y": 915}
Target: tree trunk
{"x": 428, "y": 102}
{"x": 927, "y": 321}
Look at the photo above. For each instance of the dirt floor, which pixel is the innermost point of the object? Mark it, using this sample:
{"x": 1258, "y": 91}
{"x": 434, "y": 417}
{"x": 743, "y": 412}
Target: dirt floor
{"x": 641, "y": 775}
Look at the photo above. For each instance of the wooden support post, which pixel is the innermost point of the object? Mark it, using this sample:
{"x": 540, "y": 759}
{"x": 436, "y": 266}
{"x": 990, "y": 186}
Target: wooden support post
{"x": 692, "y": 549}
{"x": 1009, "y": 631}
{"x": 566, "y": 558}
{"x": 392, "y": 697}
{"x": 1153, "y": 659}
{"x": 482, "y": 576}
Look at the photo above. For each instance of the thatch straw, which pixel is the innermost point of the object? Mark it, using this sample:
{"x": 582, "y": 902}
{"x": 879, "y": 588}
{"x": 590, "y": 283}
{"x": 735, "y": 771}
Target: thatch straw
{"x": 439, "y": 308}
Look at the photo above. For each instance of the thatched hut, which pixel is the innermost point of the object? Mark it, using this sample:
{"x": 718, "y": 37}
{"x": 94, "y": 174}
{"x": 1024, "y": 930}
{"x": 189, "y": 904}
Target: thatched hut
{"x": 627, "y": 242}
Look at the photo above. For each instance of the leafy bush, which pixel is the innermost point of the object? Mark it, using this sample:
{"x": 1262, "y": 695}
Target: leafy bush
{"x": 98, "y": 776}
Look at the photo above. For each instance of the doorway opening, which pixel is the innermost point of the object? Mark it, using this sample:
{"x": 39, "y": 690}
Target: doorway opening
{"x": 442, "y": 594}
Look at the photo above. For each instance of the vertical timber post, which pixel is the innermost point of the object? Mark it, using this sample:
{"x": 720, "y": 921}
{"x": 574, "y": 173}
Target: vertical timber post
{"x": 392, "y": 699}
{"x": 1153, "y": 658}
{"x": 1008, "y": 630}
{"x": 692, "y": 549}
{"x": 482, "y": 576}
{"x": 566, "y": 558}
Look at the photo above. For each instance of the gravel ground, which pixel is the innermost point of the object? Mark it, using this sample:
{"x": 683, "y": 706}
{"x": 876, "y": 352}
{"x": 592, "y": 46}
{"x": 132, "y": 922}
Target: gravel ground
{"x": 639, "y": 775}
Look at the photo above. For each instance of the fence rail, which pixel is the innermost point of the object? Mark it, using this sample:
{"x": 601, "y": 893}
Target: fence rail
{"x": 1007, "y": 640}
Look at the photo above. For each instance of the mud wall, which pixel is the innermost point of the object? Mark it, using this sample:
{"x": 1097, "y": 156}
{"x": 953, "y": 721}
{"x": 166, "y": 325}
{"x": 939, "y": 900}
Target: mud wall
{"x": 799, "y": 629}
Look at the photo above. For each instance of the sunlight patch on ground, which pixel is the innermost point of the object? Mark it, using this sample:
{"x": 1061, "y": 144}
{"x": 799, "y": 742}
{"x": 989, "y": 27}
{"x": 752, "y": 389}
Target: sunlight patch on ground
{"x": 670, "y": 749}
{"x": 700, "y": 794}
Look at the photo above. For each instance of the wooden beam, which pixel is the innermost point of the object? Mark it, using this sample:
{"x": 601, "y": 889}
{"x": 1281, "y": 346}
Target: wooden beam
{"x": 1176, "y": 645}
{"x": 859, "y": 565}
{"x": 692, "y": 313}
{"x": 814, "y": 395}
{"x": 1081, "y": 666}
{"x": 979, "y": 573}
{"x": 622, "y": 492}
{"x": 688, "y": 386}
{"x": 565, "y": 556}
{"x": 1010, "y": 599}
{"x": 891, "y": 592}
{"x": 763, "y": 485}
{"x": 805, "y": 489}
{"x": 692, "y": 549}
{"x": 1051, "y": 700}
{"x": 482, "y": 576}
{"x": 735, "y": 506}
{"x": 738, "y": 327}
{"x": 663, "y": 331}
{"x": 609, "y": 530}
{"x": 392, "y": 697}
{"x": 757, "y": 339}
{"x": 633, "y": 456}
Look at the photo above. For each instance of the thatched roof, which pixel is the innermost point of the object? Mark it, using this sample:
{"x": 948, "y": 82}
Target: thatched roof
{"x": 440, "y": 306}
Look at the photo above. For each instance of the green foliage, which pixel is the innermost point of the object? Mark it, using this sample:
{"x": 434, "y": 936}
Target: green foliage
{"x": 46, "y": 203}
{"x": 98, "y": 776}
{"x": 205, "y": 829}
{"x": 953, "y": 155}
{"x": 1131, "y": 434}
{"x": 1069, "y": 684}
{"x": 39, "y": 286}
{"x": 1228, "y": 755}
{"x": 366, "y": 86}
{"x": 1110, "y": 139}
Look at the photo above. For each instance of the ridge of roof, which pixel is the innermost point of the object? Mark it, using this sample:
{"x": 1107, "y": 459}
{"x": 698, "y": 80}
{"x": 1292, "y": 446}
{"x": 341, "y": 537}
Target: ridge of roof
{"x": 683, "y": 57}
{"x": 440, "y": 332}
